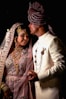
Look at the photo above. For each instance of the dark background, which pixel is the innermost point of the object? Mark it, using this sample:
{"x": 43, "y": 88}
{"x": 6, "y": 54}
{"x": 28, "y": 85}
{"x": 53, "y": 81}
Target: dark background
{"x": 12, "y": 11}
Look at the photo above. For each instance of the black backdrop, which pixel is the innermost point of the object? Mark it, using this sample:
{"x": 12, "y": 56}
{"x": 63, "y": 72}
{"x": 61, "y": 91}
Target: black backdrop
{"x": 12, "y": 11}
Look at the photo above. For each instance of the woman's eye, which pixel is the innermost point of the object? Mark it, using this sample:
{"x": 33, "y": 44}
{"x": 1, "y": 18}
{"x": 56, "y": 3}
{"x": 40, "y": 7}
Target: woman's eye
{"x": 24, "y": 36}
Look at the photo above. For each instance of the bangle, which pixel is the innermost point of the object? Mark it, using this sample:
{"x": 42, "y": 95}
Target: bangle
{"x": 4, "y": 87}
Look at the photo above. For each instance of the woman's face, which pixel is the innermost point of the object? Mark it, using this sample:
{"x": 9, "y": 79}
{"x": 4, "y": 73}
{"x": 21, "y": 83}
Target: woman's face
{"x": 22, "y": 38}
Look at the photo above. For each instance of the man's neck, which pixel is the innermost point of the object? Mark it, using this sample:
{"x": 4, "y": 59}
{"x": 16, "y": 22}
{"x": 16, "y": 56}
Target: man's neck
{"x": 41, "y": 31}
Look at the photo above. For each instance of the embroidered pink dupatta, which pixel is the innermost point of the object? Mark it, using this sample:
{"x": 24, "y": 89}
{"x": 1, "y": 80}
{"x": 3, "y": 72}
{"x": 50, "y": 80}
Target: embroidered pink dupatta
{"x": 5, "y": 47}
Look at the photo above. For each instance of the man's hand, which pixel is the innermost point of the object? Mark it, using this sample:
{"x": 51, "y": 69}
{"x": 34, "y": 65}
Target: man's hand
{"x": 32, "y": 76}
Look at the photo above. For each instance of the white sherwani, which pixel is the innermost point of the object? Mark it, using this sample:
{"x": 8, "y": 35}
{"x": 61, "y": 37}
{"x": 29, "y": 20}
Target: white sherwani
{"x": 48, "y": 57}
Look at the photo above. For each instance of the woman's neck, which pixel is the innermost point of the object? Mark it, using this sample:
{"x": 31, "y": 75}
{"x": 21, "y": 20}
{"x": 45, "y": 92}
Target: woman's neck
{"x": 18, "y": 48}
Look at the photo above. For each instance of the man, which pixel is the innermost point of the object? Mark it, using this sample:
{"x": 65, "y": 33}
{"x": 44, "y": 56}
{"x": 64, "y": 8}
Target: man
{"x": 49, "y": 56}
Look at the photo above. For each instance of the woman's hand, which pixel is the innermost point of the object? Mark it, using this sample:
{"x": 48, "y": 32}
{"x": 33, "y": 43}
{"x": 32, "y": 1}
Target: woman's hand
{"x": 8, "y": 94}
{"x": 5, "y": 91}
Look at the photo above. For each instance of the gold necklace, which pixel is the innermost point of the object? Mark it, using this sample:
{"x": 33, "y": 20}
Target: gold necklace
{"x": 16, "y": 54}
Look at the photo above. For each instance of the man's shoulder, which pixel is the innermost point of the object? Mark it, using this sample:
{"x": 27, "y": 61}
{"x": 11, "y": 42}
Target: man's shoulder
{"x": 51, "y": 36}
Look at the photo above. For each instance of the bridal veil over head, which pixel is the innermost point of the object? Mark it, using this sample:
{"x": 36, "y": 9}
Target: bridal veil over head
{"x": 5, "y": 47}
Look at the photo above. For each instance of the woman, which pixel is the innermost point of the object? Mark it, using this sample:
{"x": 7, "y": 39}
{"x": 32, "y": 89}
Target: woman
{"x": 19, "y": 61}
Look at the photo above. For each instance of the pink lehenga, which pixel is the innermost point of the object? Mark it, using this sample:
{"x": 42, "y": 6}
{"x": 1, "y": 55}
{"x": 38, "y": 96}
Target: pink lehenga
{"x": 18, "y": 83}
{"x": 16, "y": 77}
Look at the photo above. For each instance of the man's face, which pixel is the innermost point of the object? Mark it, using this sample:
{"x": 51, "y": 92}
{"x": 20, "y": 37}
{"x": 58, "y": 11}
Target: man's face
{"x": 33, "y": 28}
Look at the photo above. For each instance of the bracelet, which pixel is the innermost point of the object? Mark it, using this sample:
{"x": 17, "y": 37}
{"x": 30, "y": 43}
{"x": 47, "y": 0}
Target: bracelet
{"x": 4, "y": 87}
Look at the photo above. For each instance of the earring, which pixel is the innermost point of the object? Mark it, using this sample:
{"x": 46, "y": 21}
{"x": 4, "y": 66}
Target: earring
{"x": 15, "y": 39}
